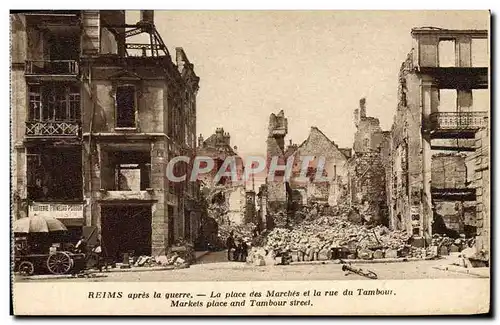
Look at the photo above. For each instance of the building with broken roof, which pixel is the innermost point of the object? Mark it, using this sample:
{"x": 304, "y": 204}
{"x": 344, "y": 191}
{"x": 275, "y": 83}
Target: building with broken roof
{"x": 283, "y": 198}
{"x": 96, "y": 118}
{"x": 443, "y": 106}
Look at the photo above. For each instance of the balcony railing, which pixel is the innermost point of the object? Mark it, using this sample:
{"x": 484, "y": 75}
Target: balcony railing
{"x": 50, "y": 128}
{"x": 52, "y": 67}
{"x": 458, "y": 120}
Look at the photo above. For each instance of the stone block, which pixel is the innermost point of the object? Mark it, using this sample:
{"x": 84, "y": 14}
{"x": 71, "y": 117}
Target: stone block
{"x": 443, "y": 251}
{"x": 391, "y": 253}
{"x": 433, "y": 250}
{"x": 365, "y": 254}
{"x": 378, "y": 254}
{"x": 454, "y": 249}
{"x": 323, "y": 255}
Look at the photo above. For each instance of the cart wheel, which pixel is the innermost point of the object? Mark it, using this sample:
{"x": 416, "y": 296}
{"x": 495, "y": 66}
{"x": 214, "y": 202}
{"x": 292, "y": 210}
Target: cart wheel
{"x": 59, "y": 263}
{"x": 26, "y": 268}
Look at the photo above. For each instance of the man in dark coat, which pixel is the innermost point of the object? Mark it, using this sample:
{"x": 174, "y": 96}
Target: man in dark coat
{"x": 230, "y": 245}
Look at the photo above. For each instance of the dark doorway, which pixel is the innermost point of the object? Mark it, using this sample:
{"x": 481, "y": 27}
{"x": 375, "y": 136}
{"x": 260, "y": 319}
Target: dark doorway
{"x": 126, "y": 229}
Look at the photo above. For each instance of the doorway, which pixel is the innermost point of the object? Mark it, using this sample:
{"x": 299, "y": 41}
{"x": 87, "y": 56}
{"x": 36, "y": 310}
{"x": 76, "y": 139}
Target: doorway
{"x": 126, "y": 229}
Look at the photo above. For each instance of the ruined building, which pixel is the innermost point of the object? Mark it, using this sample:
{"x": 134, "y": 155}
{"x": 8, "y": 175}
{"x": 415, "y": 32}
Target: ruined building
{"x": 96, "y": 118}
{"x": 367, "y": 174}
{"x": 229, "y": 193}
{"x": 282, "y": 198}
{"x": 443, "y": 105}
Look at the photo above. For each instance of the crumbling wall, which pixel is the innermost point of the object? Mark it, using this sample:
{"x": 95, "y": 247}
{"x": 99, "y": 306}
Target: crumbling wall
{"x": 407, "y": 199}
{"x": 482, "y": 185}
{"x": 448, "y": 171}
{"x": 367, "y": 176}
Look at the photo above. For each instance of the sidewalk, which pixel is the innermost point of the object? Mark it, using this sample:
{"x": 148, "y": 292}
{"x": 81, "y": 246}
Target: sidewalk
{"x": 361, "y": 261}
{"x": 482, "y": 272}
{"x": 97, "y": 274}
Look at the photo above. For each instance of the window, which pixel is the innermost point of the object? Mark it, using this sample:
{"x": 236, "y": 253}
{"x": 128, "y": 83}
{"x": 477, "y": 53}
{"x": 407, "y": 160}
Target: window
{"x": 447, "y": 100}
{"x": 125, "y": 107}
{"x": 54, "y": 102}
{"x": 447, "y": 53}
{"x": 480, "y": 56}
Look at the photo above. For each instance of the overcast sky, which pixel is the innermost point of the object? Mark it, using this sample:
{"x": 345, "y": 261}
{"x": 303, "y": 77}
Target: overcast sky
{"x": 313, "y": 65}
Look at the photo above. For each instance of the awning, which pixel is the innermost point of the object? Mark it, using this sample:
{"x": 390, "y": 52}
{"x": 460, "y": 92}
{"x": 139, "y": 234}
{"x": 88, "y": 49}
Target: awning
{"x": 72, "y": 222}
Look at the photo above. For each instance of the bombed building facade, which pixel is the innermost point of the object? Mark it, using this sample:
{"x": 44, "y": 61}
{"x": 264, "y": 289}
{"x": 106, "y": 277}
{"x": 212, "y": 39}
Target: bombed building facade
{"x": 282, "y": 196}
{"x": 228, "y": 195}
{"x": 96, "y": 119}
{"x": 441, "y": 111}
{"x": 367, "y": 174}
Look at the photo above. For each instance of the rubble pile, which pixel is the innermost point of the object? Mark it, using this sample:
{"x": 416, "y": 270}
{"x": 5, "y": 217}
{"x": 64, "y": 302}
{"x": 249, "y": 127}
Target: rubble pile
{"x": 244, "y": 231}
{"x": 331, "y": 233}
{"x": 444, "y": 245}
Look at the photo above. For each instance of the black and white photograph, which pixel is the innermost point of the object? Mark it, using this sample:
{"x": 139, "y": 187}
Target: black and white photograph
{"x": 281, "y": 146}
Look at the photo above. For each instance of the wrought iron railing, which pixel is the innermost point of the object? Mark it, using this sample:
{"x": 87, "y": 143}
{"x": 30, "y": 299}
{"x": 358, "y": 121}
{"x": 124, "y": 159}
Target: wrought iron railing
{"x": 51, "y": 67}
{"x": 51, "y": 128}
{"x": 458, "y": 120}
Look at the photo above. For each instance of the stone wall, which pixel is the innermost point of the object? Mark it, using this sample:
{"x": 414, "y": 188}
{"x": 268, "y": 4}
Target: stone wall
{"x": 482, "y": 185}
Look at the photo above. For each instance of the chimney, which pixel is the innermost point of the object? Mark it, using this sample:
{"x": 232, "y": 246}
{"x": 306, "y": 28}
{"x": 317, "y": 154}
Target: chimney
{"x": 148, "y": 16}
{"x": 200, "y": 140}
{"x": 362, "y": 108}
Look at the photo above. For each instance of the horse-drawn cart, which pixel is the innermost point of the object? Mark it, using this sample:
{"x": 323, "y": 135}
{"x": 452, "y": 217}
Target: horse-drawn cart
{"x": 37, "y": 249}
{"x": 61, "y": 262}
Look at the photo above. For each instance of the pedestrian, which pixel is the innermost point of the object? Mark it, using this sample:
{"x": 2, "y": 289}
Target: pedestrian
{"x": 244, "y": 250}
{"x": 237, "y": 249}
{"x": 97, "y": 250}
{"x": 81, "y": 246}
{"x": 230, "y": 245}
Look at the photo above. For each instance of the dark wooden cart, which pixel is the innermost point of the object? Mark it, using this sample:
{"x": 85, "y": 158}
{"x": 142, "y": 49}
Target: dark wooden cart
{"x": 59, "y": 262}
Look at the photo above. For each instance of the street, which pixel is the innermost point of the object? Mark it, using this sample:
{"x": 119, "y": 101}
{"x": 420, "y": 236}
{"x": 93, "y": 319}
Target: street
{"x": 215, "y": 267}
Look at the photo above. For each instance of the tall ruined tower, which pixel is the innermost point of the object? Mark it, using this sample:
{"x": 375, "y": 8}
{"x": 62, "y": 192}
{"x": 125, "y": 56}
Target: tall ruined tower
{"x": 276, "y": 194}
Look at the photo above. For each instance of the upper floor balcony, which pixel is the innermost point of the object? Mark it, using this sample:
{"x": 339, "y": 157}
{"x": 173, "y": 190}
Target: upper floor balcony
{"x": 52, "y": 129}
{"x": 52, "y": 69}
{"x": 457, "y": 124}
{"x": 53, "y": 111}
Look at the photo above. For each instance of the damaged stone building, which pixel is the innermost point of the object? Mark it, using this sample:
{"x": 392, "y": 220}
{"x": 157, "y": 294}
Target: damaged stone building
{"x": 367, "y": 174}
{"x": 283, "y": 198}
{"x": 443, "y": 107}
{"x": 229, "y": 193}
{"x": 96, "y": 119}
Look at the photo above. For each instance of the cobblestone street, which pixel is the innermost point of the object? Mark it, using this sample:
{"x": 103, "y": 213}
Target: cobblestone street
{"x": 215, "y": 267}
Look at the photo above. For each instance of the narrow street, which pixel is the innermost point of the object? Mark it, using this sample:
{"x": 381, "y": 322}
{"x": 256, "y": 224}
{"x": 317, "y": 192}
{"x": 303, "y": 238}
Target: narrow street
{"x": 215, "y": 267}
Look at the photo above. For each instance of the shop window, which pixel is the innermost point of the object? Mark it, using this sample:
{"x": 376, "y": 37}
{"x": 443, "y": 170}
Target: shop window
{"x": 125, "y": 107}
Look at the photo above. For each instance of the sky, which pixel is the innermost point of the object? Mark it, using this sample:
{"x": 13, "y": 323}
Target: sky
{"x": 314, "y": 65}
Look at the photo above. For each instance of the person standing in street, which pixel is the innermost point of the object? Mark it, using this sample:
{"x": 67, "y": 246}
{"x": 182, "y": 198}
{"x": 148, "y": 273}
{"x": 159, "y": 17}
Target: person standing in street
{"x": 230, "y": 245}
{"x": 97, "y": 250}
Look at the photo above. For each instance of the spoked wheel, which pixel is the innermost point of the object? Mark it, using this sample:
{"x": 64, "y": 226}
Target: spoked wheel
{"x": 59, "y": 263}
{"x": 26, "y": 268}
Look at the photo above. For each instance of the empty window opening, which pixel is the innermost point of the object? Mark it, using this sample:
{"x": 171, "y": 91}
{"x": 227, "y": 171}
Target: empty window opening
{"x": 447, "y": 100}
{"x": 480, "y": 100}
{"x": 125, "y": 107}
{"x": 125, "y": 170}
{"x": 54, "y": 174}
{"x": 54, "y": 102}
{"x": 446, "y": 53}
{"x": 479, "y": 52}
{"x": 416, "y": 232}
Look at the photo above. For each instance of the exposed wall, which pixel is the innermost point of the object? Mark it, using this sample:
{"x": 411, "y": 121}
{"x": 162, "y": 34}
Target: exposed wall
{"x": 482, "y": 185}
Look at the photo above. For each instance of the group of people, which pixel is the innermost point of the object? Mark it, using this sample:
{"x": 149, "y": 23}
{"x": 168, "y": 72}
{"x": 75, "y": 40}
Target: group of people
{"x": 237, "y": 248}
